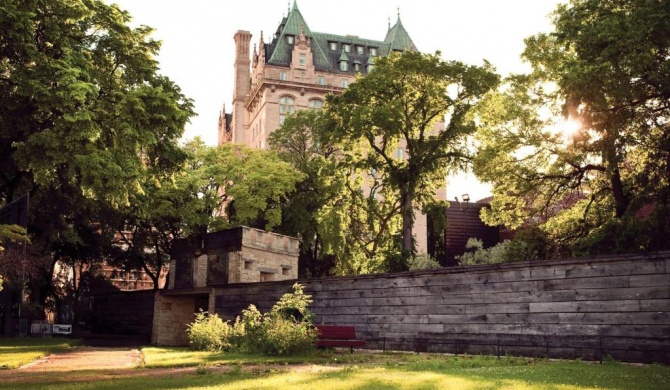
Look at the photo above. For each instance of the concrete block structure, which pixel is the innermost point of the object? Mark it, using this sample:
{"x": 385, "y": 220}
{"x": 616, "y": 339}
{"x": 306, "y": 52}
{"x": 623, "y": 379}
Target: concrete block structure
{"x": 202, "y": 262}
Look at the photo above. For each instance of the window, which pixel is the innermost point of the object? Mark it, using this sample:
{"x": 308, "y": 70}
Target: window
{"x": 286, "y": 107}
{"x": 289, "y": 39}
{"x": 346, "y": 47}
{"x": 282, "y": 76}
{"x": 333, "y": 45}
{"x": 345, "y": 83}
{"x": 315, "y": 104}
{"x": 400, "y": 153}
{"x": 370, "y": 67}
{"x": 357, "y": 67}
{"x": 373, "y": 51}
{"x": 360, "y": 49}
{"x": 344, "y": 66}
{"x": 321, "y": 80}
{"x": 303, "y": 59}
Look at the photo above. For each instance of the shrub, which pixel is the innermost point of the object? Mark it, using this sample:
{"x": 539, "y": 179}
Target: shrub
{"x": 286, "y": 329}
{"x": 423, "y": 261}
{"x": 207, "y": 332}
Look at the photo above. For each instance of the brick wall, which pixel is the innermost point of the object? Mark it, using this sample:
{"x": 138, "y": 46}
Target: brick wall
{"x": 616, "y": 305}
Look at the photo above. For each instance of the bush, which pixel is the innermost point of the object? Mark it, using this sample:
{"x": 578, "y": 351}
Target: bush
{"x": 207, "y": 333}
{"x": 287, "y": 329}
{"x": 422, "y": 262}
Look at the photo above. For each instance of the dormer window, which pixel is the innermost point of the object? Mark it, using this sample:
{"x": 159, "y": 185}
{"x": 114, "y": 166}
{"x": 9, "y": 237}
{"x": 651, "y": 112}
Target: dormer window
{"x": 333, "y": 45}
{"x": 360, "y": 50}
{"x": 302, "y": 59}
{"x": 370, "y": 67}
{"x": 346, "y": 47}
{"x": 290, "y": 39}
{"x": 373, "y": 51}
{"x": 344, "y": 66}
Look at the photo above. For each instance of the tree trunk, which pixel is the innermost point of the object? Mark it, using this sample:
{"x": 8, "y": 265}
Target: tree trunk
{"x": 407, "y": 222}
{"x": 620, "y": 199}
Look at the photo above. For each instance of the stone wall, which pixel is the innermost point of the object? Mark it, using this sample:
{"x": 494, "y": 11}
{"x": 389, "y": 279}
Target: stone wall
{"x": 265, "y": 255}
{"x": 573, "y": 308}
{"x": 172, "y": 314}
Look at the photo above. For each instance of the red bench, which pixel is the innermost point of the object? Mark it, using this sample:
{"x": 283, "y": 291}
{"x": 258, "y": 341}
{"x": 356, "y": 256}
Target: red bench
{"x": 338, "y": 336}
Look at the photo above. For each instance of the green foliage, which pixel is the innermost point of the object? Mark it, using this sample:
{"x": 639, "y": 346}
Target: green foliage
{"x": 604, "y": 66}
{"x": 527, "y": 245}
{"x": 395, "y": 115}
{"x": 285, "y": 330}
{"x": 208, "y": 333}
{"x": 345, "y": 219}
{"x": 493, "y": 255}
{"x": 86, "y": 122}
{"x": 11, "y": 233}
{"x": 422, "y": 262}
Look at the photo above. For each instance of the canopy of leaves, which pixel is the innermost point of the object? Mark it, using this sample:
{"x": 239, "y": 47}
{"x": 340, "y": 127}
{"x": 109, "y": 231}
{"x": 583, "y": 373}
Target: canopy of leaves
{"x": 85, "y": 118}
{"x": 606, "y": 66}
{"x": 412, "y": 113}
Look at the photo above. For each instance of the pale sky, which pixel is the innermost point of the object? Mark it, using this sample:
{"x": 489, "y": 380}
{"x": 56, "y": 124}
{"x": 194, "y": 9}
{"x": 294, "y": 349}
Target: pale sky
{"x": 198, "y": 48}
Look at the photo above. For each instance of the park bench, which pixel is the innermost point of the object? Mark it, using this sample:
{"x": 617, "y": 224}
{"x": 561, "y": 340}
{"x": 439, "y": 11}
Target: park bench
{"x": 338, "y": 336}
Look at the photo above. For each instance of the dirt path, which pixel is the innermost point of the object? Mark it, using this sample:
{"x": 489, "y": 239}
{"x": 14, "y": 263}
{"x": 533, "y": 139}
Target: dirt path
{"x": 93, "y": 363}
{"x": 86, "y": 358}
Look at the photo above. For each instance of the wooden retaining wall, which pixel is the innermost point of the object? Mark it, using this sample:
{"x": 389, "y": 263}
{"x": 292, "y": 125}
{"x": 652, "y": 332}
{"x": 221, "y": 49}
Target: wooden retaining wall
{"x": 573, "y": 308}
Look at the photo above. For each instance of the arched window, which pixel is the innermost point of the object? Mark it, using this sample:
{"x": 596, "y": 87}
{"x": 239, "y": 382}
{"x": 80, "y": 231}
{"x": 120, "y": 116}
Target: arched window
{"x": 286, "y": 106}
{"x": 315, "y": 104}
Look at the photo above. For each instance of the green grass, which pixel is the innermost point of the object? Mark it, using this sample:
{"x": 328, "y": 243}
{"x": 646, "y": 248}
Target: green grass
{"x": 185, "y": 357}
{"x": 15, "y": 352}
{"x": 352, "y": 371}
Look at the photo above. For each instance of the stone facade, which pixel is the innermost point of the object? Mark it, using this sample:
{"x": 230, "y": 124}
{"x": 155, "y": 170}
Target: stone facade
{"x": 240, "y": 255}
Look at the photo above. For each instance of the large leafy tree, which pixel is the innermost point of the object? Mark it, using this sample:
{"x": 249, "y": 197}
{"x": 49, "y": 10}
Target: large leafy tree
{"x": 412, "y": 114}
{"x": 345, "y": 225}
{"x": 606, "y": 68}
{"x": 85, "y": 117}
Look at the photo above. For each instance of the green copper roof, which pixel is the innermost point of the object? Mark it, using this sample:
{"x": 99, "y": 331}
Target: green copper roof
{"x": 343, "y": 56}
{"x": 397, "y": 38}
{"x": 278, "y": 52}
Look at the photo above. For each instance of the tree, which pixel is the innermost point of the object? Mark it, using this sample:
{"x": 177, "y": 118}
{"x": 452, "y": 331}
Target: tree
{"x": 217, "y": 188}
{"x": 339, "y": 212}
{"x": 11, "y": 234}
{"x": 606, "y": 68}
{"x": 85, "y": 117}
{"x": 397, "y": 110}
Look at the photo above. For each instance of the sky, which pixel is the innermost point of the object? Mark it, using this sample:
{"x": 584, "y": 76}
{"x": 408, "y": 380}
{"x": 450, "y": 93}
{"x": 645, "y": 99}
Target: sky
{"x": 198, "y": 49}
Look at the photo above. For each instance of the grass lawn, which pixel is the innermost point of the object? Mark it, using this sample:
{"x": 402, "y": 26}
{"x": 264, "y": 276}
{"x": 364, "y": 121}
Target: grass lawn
{"x": 15, "y": 352}
{"x": 360, "y": 370}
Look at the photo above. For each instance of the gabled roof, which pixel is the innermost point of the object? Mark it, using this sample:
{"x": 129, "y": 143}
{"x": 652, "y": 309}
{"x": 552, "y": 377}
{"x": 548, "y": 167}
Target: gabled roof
{"x": 278, "y": 52}
{"x": 294, "y": 24}
{"x": 397, "y": 38}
